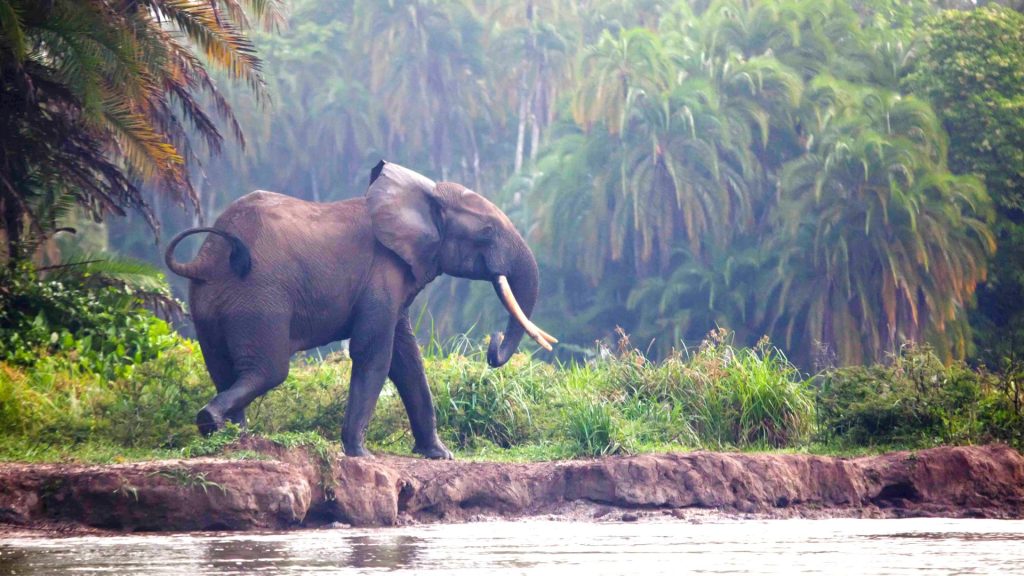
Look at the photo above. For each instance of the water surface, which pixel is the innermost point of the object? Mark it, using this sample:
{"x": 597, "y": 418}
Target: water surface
{"x": 833, "y": 546}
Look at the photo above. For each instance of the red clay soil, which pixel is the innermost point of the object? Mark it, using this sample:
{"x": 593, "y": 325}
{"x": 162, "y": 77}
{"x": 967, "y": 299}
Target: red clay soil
{"x": 292, "y": 489}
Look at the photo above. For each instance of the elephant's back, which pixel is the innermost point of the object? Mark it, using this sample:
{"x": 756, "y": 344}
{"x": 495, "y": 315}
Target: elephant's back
{"x": 270, "y": 223}
{"x": 270, "y": 212}
{"x": 301, "y": 250}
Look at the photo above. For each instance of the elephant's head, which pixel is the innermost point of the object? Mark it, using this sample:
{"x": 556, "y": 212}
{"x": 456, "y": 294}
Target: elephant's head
{"x": 446, "y": 228}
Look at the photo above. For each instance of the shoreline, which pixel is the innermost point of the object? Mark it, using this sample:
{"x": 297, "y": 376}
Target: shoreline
{"x": 292, "y": 488}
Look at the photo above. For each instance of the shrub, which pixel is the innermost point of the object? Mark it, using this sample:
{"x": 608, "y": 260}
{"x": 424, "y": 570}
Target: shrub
{"x": 763, "y": 398}
{"x": 58, "y": 403}
{"x": 1002, "y": 408}
{"x": 157, "y": 404}
{"x": 916, "y": 400}
{"x": 103, "y": 330}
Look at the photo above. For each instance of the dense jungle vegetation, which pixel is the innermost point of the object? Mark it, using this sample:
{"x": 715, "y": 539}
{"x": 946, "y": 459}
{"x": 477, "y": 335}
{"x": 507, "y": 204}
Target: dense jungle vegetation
{"x": 807, "y": 215}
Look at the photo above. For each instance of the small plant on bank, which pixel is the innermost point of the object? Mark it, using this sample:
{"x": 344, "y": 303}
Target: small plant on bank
{"x": 717, "y": 396}
{"x": 760, "y": 398}
{"x": 189, "y": 479}
{"x": 476, "y": 402}
{"x": 310, "y": 440}
{"x": 215, "y": 443}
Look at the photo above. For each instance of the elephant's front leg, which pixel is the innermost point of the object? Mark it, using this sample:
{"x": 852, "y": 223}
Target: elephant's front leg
{"x": 370, "y": 348}
{"x": 408, "y": 375}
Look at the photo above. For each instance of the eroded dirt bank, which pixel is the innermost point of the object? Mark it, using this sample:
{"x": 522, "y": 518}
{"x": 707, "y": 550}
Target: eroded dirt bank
{"x": 292, "y": 489}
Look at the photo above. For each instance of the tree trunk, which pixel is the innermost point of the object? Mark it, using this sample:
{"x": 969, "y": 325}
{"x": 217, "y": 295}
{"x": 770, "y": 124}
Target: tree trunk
{"x": 12, "y": 226}
{"x": 535, "y": 122}
{"x": 521, "y": 131}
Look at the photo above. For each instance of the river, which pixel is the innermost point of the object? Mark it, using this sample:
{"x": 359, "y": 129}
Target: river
{"x": 832, "y": 546}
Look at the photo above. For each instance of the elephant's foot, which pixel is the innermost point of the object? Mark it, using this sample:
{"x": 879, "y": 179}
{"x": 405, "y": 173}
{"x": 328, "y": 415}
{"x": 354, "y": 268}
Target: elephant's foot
{"x": 357, "y": 451}
{"x": 238, "y": 417}
{"x": 436, "y": 451}
{"x": 209, "y": 421}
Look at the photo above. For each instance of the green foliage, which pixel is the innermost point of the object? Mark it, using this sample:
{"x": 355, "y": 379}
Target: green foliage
{"x": 916, "y": 401}
{"x": 591, "y": 429}
{"x": 61, "y": 404}
{"x": 84, "y": 361}
{"x": 972, "y": 69}
{"x": 156, "y": 405}
{"x": 718, "y": 396}
{"x": 103, "y": 330}
{"x": 477, "y": 403}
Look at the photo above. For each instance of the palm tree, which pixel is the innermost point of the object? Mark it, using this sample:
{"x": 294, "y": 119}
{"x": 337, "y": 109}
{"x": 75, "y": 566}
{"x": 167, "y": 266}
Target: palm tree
{"x": 534, "y": 45}
{"x": 426, "y": 72}
{"x": 882, "y": 244}
{"x": 717, "y": 174}
{"x": 621, "y": 68}
{"x": 103, "y": 96}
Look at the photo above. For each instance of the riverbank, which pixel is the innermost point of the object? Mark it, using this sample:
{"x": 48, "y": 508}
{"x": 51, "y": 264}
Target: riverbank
{"x": 279, "y": 488}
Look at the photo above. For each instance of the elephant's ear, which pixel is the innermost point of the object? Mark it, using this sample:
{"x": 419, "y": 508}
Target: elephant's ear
{"x": 402, "y": 212}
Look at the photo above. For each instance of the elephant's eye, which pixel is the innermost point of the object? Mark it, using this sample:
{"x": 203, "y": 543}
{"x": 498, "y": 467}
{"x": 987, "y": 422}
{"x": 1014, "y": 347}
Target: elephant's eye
{"x": 485, "y": 235}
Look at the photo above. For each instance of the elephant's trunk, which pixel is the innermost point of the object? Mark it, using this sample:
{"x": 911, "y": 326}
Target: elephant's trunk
{"x": 519, "y": 294}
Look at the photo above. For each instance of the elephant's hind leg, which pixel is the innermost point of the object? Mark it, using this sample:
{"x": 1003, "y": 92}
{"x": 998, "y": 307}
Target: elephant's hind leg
{"x": 218, "y": 364}
{"x": 231, "y": 403}
{"x": 256, "y": 368}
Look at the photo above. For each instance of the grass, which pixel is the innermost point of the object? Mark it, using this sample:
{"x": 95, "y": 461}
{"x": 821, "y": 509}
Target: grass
{"x": 189, "y": 479}
{"x": 715, "y": 397}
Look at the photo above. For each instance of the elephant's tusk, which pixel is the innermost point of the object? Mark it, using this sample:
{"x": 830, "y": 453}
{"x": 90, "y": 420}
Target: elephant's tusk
{"x": 545, "y": 335}
{"x": 542, "y": 338}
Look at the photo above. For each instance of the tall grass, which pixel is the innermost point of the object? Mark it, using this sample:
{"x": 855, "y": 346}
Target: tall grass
{"x": 620, "y": 403}
{"x": 591, "y": 429}
{"x": 716, "y": 396}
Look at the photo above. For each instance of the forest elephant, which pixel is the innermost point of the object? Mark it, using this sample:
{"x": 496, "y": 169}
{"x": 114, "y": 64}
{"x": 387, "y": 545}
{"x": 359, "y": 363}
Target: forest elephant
{"x": 278, "y": 275}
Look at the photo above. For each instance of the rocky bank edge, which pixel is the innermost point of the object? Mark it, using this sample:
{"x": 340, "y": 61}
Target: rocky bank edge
{"x": 293, "y": 489}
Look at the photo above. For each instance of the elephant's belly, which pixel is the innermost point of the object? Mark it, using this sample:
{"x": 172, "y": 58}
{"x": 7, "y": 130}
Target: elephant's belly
{"x": 327, "y": 324}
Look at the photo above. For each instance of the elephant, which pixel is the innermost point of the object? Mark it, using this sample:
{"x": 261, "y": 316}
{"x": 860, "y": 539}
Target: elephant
{"x": 277, "y": 275}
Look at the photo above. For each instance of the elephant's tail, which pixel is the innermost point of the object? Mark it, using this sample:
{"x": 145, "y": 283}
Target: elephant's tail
{"x": 240, "y": 260}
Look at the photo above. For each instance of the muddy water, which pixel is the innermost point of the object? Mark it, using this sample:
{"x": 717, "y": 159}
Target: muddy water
{"x": 836, "y": 546}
